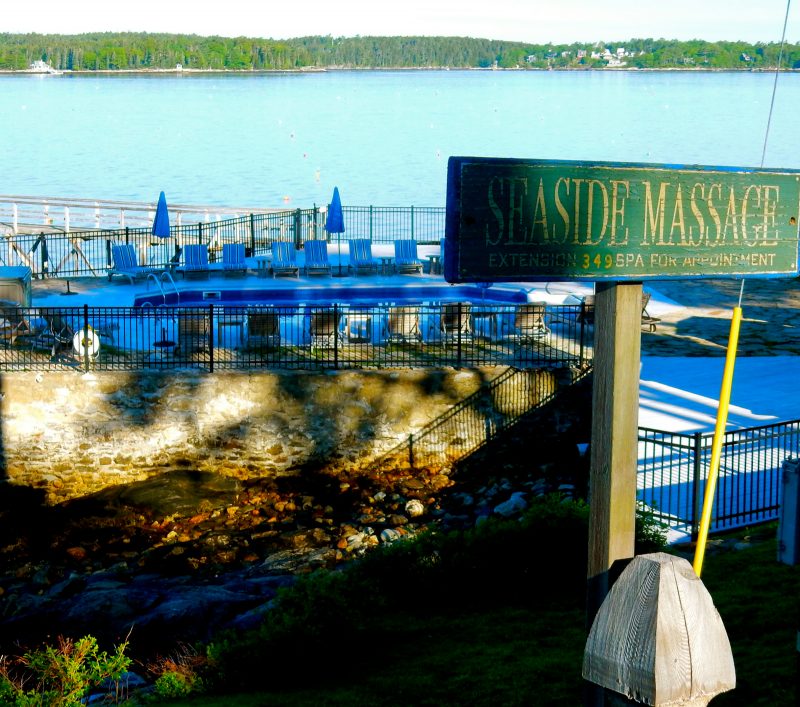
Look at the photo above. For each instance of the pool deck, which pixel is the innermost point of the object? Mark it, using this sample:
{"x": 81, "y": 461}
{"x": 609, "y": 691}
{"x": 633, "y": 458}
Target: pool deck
{"x": 99, "y": 292}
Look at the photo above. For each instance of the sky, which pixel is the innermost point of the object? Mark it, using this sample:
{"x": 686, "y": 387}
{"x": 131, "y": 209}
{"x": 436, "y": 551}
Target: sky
{"x": 534, "y": 21}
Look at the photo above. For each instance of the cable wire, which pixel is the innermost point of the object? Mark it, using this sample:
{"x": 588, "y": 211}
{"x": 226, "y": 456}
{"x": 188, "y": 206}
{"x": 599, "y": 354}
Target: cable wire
{"x": 775, "y": 82}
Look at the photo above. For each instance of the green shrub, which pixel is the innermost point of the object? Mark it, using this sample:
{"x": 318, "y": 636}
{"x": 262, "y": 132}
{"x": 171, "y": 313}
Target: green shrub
{"x": 62, "y": 675}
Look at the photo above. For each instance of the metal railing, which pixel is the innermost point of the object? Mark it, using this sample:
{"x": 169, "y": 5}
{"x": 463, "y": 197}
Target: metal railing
{"x": 474, "y": 422}
{"x": 673, "y": 470}
{"x": 87, "y": 253}
{"x": 337, "y": 336}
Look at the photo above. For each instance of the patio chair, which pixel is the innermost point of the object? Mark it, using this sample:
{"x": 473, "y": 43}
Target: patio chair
{"x": 456, "y": 321}
{"x": 233, "y": 259}
{"x": 13, "y": 323}
{"x": 195, "y": 261}
{"x": 56, "y": 335}
{"x": 358, "y": 326}
{"x": 126, "y": 263}
{"x": 324, "y": 327}
{"x": 284, "y": 259}
{"x": 316, "y": 261}
{"x": 529, "y": 322}
{"x": 361, "y": 259}
{"x": 648, "y": 320}
{"x": 263, "y": 328}
{"x": 402, "y": 326}
{"x": 405, "y": 256}
{"x": 193, "y": 331}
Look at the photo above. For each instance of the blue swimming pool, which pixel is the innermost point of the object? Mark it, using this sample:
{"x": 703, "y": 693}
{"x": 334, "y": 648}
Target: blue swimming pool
{"x": 330, "y": 294}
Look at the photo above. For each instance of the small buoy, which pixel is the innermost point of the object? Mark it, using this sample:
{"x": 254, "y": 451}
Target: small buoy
{"x": 86, "y": 341}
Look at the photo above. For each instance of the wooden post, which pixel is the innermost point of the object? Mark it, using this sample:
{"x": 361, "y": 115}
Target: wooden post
{"x": 615, "y": 412}
{"x": 658, "y": 638}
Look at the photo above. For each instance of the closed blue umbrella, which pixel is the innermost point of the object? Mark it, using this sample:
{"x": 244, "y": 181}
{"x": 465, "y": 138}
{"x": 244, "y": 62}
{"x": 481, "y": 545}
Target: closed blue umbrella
{"x": 334, "y": 222}
{"x": 161, "y": 220}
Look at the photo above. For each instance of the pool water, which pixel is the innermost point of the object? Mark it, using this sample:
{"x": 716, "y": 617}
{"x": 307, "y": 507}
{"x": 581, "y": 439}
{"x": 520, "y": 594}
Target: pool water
{"x": 367, "y": 295}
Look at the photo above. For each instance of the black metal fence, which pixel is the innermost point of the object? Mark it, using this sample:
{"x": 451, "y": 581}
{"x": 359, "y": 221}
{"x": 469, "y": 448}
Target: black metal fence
{"x": 673, "y": 471}
{"x": 337, "y": 336}
{"x": 88, "y": 253}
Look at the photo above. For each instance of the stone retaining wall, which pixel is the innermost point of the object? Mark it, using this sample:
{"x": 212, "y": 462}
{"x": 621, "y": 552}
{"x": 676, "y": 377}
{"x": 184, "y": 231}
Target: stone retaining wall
{"x": 68, "y": 434}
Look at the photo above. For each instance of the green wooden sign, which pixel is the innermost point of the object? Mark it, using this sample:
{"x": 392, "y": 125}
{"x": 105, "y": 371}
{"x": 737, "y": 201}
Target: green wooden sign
{"x": 517, "y": 220}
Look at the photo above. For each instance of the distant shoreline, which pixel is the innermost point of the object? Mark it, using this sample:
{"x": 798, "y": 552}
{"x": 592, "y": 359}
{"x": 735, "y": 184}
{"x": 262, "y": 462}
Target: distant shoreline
{"x": 328, "y": 69}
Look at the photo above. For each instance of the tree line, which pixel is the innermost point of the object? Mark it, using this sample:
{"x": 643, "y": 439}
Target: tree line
{"x": 108, "y": 51}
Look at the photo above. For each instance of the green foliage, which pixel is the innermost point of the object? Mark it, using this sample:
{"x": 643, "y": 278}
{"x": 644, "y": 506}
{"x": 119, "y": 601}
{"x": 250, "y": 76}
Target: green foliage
{"x": 540, "y": 560}
{"x": 109, "y": 51}
{"x": 171, "y": 685}
{"x": 60, "y": 675}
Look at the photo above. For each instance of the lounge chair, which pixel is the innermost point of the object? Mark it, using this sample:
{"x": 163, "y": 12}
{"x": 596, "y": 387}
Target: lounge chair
{"x": 193, "y": 331}
{"x": 402, "y": 325}
{"x": 263, "y": 328}
{"x": 529, "y": 322}
{"x": 324, "y": 327}
{"x": 195, "y": 261}
{"x": 361, "y": 259}
{"x": 405, "y": 256}
{"x": 233, "y": 262}
{"x": 316, "y": 261}
{"x": 284, "y": 259}
{"x": 456, "y": 321}
{"x": 126, "y": 263}
{"x": 648, "y": 320}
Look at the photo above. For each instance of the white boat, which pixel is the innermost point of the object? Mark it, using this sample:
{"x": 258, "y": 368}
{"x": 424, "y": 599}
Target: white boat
{"x": 42, "y": 67}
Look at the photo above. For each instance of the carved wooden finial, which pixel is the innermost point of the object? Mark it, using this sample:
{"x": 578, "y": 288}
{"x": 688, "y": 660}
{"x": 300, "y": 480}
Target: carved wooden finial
{"x": 657, "y": 638}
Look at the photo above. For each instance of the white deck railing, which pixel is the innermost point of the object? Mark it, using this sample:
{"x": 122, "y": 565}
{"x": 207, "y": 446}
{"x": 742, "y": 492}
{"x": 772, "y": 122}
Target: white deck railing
{"x": 28, "y": 214}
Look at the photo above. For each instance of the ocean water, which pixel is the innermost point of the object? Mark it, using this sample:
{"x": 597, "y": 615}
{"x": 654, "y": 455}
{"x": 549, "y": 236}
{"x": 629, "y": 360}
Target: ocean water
{"x": 383, "y": 137}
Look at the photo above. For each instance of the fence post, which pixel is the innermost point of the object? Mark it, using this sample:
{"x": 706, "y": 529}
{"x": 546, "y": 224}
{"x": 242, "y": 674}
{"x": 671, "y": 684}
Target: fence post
{"x": 199, "y": 233}
{"x": 412, "y": 223}
{"x": 211, "y": 338}
{"x": 127, "y": 235}
{"x": 297, "y": 229}
{"x": 335, "y": 335}
{"x": 458, "y": 315}
{"x": 370, "y": 223}
{"x": 697, "y": 470}
{"x": 580, "y": 338}
{"x": 252, "y": 235}
{"x": 84, "y": 338}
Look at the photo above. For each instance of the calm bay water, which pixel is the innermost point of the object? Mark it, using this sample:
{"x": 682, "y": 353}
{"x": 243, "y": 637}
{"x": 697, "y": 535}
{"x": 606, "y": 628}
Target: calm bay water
{"x": 383, "y": 137}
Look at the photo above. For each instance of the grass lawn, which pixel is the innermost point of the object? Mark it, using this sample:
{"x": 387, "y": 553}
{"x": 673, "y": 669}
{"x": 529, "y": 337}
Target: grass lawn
{"x": 514, "y": 652}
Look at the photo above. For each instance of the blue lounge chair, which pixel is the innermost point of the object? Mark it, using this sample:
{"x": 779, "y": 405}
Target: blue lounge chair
{"x": 195, "y": 260}
{"x": 361, "y": 259}
{"x": 405, "y": 256}
{"x": 316, "y": 262}
{"x": 125, "y": 263}
{"x": 233, "y": 262}
{"x": 284, "y": 259}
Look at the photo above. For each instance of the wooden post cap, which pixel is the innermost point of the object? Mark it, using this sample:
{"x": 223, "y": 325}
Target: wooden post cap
{"x": 657, "y": 638}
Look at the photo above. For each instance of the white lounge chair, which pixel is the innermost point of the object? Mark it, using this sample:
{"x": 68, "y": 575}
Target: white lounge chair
{"x": 405, "y": 256}
{"x": 233, "y": 262}
{"x": 126, "y": 263}
{"x": 284, "y": 259}
{"x": 316, "y": 262}
{"x": 195, "y": 260}
{"x": 361, "y": 259}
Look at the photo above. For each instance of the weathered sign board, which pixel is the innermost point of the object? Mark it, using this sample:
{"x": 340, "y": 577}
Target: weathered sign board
{"x": 528, "y": 220}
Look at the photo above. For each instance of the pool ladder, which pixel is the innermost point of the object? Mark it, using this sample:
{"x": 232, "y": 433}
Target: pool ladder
{"x": 158, "y": 280}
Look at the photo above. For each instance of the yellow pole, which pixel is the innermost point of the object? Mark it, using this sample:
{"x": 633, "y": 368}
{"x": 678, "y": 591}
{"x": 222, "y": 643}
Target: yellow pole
{"x": 719, "y": 432}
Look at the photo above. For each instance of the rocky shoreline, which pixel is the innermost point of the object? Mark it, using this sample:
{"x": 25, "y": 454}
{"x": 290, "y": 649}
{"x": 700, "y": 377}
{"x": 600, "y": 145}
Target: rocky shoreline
{"x": 175, "y": 558}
